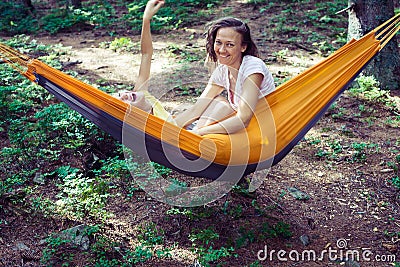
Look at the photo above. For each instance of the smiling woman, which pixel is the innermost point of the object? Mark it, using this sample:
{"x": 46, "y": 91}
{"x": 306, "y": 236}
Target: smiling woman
{"x": 239, "y": 71}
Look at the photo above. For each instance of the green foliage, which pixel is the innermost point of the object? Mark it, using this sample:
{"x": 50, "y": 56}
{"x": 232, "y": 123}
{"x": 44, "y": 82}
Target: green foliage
{"x": 81, "y": 197}
{"x": 54, "y": 243}
{"x": 396, "y": 181}
{"x": 194, "y": 213}
{"x": 121, "y": 44}
{"x": 313, "y": 25}
{"x": 16, "y": 18}
{"x": 71, "y": 128}
{"x": 331, "y": 151}
{"x": 203, "y": 242}
{"x": 368, "y": 88}
{"x": 110, "y": 253}
{"x": 60, "y": 247}
{"x": 213, "y": 256}
{"x": 164, "y": 171}
{"x": 335, "y": 150}
{"x": 113, "y": 168}
{"x": 176, "y": 14}
{"x": 361, "y": 150}
{"x": 183, "y": 54}
{"x": 203, "y": 236}
{"x": 249, "y": 234}
{"x": 396, "y": 167}
{"x": 95, "y": 15}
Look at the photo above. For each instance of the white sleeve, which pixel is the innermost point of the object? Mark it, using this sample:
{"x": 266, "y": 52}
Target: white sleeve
{"x": 255, "y": 65}
{"x": 217, "y": 77}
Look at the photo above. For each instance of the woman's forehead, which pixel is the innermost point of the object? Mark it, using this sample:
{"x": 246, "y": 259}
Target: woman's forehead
{"x": 228, "y": 34}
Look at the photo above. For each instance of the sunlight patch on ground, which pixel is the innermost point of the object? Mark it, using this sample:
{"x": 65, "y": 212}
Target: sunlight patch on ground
{"x": 292, "y": 65}
{"x": 124, "y": 67}
{"x": 183, "y": 255}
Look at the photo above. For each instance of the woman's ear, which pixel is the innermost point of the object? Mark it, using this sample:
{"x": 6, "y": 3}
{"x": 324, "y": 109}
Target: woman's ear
{"x": 244, "y": 47}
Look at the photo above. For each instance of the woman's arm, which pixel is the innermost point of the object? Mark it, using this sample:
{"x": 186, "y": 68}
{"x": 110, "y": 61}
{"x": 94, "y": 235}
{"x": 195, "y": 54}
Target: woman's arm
{"x": 195, "y": 111}
{"x": 245, "y": 111}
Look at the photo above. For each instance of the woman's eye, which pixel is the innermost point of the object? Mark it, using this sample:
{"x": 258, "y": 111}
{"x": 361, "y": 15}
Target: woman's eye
{"x": 230, "y": 45}
{"x": 217, "y": 42}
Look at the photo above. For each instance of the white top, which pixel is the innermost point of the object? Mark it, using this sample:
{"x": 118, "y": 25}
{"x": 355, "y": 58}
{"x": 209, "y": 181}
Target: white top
{"x": 250, "y": 65}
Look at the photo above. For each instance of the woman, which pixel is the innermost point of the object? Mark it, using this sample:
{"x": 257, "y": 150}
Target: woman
{"x": 140, "y": 97}
{"x": 239, "y": 71}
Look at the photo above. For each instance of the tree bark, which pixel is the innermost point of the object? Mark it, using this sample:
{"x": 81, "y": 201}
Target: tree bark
{"x": 76, "y": 3}
{"x": 364, "y": 16}
{"x": 28, "y": 4}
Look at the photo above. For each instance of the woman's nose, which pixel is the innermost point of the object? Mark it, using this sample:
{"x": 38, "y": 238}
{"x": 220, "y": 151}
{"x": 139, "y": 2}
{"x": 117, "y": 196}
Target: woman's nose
{"x": 221, "y": 48}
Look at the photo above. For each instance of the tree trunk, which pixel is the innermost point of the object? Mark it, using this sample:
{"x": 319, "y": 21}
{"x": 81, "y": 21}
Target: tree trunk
{"x": 364, "y": 17}
{"x": 76, "y": 3}
{"x": 28, "y": 4}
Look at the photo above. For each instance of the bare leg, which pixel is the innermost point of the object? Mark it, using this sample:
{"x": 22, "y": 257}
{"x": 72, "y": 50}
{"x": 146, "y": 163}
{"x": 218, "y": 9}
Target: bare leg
{"x": 218, "y": 109}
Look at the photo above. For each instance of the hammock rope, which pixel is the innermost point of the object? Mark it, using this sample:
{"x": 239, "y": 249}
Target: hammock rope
{"x": 14, "y": 58}
{"x": 387, "y": 30}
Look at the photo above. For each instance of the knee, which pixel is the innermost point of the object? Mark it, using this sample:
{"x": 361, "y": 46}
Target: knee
{"x": 222, "y": 106}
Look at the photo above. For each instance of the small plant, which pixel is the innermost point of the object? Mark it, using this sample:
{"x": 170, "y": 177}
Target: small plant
{"x": 396, "y": 181}
{"x": 150, "y": 235}
{"x": 81, "y": 196}
{"x": 122, "y": 44}
{"x": 255, "y": 264}
{"x": 360, "y": 151}
{"x": 184, "y": 55}
{"x": 203, "y": 245}
{"x": 332, "y": 151}
{"x": 368, "y": 88}
{"x": 281, "y": 54}
{"x": 204, "y": 236}
{"x": 395, "y": 165}
{"x": 247, "y": 236}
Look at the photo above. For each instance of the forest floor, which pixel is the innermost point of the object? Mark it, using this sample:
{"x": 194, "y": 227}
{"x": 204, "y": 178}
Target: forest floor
{"x": 351, "y": 203}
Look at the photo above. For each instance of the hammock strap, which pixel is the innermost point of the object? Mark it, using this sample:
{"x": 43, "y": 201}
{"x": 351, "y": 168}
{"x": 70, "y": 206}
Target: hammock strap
{"x": 390, "y": 28}
{"x": 14, "y": 58}
{"x": 394, "y": 19}
{"x": 389, "y": 36}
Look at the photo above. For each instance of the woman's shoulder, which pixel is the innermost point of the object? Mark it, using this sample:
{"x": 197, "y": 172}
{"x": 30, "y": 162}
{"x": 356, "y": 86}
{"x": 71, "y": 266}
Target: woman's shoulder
{"x": 253, "y": 59}
{"x": 253, "y": 63}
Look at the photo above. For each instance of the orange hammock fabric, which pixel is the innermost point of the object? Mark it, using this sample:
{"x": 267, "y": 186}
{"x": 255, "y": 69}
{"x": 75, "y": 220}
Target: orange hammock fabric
{"x": 280, "y": 120}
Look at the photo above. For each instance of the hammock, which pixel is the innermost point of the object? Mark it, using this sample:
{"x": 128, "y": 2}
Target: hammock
{"x": 280, "y": 120}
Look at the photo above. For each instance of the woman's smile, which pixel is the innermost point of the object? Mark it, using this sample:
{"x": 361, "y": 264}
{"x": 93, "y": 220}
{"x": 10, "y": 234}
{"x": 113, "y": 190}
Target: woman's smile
{"x": 228, "y": 47}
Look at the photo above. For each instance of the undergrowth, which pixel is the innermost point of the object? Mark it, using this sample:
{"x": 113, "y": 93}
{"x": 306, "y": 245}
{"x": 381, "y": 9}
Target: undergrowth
{"x": 15, "y": 18}
{"x": 47, "y": 147}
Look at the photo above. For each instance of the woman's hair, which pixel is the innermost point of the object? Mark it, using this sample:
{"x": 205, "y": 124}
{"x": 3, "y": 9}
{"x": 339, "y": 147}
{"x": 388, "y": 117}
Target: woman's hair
{"x": 239, "y": 26}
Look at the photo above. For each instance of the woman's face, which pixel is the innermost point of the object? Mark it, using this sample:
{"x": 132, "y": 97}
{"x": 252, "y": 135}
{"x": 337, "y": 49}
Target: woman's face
{"x": 228, "y": 47}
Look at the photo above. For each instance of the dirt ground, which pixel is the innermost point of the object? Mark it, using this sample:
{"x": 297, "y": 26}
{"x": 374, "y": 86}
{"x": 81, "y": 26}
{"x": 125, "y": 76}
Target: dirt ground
{"x": 350, "y": 205}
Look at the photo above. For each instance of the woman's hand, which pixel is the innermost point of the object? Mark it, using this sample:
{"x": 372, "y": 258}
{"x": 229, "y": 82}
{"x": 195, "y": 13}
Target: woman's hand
{"x": 151, "y": 8}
